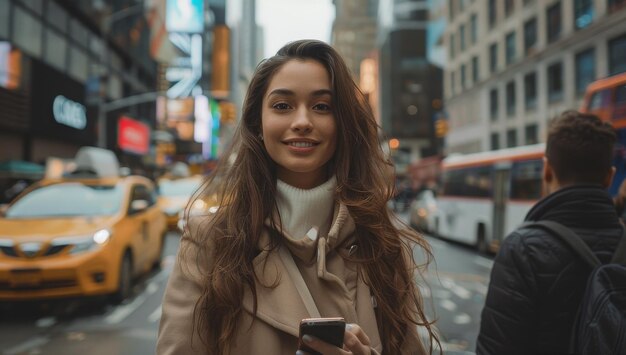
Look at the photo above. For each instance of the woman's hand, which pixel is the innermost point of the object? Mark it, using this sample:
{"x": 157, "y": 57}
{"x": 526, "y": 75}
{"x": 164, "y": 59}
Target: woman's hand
{"x": 355, "y": 342}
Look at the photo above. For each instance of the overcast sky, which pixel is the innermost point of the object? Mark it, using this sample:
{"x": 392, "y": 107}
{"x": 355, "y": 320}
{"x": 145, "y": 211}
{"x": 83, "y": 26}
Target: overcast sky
{"x": 288, "y": 20}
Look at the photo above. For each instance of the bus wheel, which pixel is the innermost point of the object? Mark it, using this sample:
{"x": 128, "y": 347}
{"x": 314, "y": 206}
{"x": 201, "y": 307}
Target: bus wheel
{"x": 481, "y": 239}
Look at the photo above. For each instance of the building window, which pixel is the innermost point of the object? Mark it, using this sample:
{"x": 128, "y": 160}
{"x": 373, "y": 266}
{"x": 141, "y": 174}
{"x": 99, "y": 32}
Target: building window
{"x": 463, "y": 75}
{"x": 617, "y": 55}
{"x": 27, "y": 32}
{"x": 5, "y": 13}
{"x": 462, "y": 37}
{"x": 511, "y": 138}
{"x": 509, "y": 5}
{"x": 451, "y": 9}
{"x": 510, "y": 98}
{"x": 474, "y": 28}
{"x": 530, "y": 90}
{"x": 492, "y": 12}
{"x": 510, "y": 48}
{"x": 493, "y": 57}
{"x": 583, "y": 13}
{"x": 56, "y": 50}
{"x": 530, "y": 36}
{"x": 555, "y": 82}
{"x": 532, "y": 136}
{"x": 585, "y": 70}
{"x": 554, "y": 22}
{"x": 615, "y": 5}
{"x": 475, "y": 70}
{"x": 495, "y": 141}
{"x": 452, "y": 82}
{"x": 493, "y": 104}
{"x": 452, "y": 45}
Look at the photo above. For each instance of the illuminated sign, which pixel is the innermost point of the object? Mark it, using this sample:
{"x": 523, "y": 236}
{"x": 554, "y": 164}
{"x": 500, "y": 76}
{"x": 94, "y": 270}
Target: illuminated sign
{"x": 69, "y": 113}
{"x": 186, "y": 71}
{"x": 185, "y": 16}
{"x": 133, "y": 136}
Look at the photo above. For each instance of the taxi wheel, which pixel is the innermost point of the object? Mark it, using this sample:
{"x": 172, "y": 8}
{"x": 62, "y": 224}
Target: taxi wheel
{"x": 125, "y": 282}
{"x": 159, "y": 257}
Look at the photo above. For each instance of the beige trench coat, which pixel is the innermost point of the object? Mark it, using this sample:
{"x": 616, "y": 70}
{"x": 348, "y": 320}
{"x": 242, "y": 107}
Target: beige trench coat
{"x": 274, "y": 329}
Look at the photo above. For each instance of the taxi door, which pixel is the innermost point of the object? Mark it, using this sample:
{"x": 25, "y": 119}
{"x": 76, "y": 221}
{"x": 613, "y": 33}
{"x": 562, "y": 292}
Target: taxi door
{"x": 143, "y": 237}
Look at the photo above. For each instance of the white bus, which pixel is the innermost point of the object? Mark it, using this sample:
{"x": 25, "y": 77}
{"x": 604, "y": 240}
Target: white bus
{"x": 485, "y": 196}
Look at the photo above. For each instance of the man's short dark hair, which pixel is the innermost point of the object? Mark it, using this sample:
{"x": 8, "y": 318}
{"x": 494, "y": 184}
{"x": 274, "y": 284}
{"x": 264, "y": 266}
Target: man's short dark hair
{"x": 580, "y": 148}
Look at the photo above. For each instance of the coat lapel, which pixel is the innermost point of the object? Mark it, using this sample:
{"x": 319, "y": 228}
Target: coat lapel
{"x": 278, "y": 301}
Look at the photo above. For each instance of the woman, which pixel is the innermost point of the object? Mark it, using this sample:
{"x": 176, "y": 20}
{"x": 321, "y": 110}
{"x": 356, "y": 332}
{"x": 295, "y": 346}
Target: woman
{"x": 302, "y": 229}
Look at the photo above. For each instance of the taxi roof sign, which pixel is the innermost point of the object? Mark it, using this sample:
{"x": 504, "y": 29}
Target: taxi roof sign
{"x": 96, "y": 161}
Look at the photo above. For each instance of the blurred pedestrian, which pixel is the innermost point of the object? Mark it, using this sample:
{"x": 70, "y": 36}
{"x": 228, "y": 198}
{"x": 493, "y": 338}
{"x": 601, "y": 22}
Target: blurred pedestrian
{"x": 537, "y": 281}
{"x": 302, "y": 229}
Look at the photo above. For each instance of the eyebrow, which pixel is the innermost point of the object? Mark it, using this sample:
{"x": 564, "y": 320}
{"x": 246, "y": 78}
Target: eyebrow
{"x": 287, "y": 92}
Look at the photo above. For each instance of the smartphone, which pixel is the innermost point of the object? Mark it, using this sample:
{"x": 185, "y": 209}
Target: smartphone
{"x": 330, "y": 330}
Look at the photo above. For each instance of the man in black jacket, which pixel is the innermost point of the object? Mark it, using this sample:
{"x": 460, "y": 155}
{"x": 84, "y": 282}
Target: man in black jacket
{"x": 537, "y": 282}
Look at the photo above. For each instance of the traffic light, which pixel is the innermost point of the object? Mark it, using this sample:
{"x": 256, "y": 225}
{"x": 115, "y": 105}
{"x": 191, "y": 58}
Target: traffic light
{"x": 441, "y": 128}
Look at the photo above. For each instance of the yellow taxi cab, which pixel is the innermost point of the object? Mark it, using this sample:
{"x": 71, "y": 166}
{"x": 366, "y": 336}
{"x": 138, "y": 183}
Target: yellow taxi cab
{"x": 174, "y": 194}
{"x": 89, "y": 233}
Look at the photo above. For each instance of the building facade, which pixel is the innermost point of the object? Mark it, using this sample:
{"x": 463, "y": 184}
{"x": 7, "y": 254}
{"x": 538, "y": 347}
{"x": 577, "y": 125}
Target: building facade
{"x": 513, "y": 65}
{"x": 59, "y": 60}
{"x": 354, "y": 31}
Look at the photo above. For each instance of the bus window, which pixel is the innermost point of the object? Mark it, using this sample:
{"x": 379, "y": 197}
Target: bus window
{"x": 526, "y": 180}
{"x": 600, "y": 99}
{"x": 468, "y": 182}
{"x": 620, "y": 102}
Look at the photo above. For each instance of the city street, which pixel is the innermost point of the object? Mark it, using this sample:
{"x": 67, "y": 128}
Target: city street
{"x": 457, "y": 284}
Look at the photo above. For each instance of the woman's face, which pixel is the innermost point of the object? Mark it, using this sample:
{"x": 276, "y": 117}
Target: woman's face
{"x": 298, "y": 125}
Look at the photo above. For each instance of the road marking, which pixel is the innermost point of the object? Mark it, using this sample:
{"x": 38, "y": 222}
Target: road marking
{"x": 448, "y": 305}
{"x": 155, "y": 316}
{"x": 462, "y": 318}
{"x": 441, "y": 294}
{"x": 124, "y": 311}
{"x": 28, "y": 346}
{"x": 46, "y": 322}
{"x": 435, "y": 243}
{"x": 484, "y": 262}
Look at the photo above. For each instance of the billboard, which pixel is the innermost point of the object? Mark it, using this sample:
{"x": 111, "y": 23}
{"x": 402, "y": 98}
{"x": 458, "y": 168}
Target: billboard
{"x": 186, "y": 16}
{"x": 133, "y": 136}
{"x": 58, "y": 108}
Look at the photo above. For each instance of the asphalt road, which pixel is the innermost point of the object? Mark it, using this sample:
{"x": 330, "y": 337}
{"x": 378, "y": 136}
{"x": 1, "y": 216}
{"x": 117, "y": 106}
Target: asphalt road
{"x": 454, "y": 293}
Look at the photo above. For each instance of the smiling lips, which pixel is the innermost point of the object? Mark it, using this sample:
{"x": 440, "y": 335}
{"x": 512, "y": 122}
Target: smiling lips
{"x": 301, "y": 144}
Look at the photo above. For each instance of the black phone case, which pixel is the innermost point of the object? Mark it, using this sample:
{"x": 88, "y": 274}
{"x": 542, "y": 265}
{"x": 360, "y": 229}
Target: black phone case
{"x": 331, "y": 332}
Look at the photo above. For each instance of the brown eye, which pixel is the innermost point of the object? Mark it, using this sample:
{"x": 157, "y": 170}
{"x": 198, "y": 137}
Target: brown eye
{"x": 321, "y": 107}
{"x": 281, "y": 106}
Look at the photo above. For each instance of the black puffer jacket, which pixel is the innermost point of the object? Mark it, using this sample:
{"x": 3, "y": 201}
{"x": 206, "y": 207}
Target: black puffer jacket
{"x": 537, "y": 282}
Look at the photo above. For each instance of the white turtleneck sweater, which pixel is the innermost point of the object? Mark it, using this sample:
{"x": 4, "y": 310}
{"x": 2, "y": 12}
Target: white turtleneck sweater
{"x": 306, "y": 213}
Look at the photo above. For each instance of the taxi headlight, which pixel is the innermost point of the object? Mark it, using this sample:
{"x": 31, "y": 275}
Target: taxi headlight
{"x": 83, "y": 244}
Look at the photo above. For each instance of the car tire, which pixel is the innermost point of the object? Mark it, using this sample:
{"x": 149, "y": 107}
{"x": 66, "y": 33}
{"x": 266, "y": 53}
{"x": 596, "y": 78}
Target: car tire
{"x": 159, "y": 257}
{"x": 481, "y": 240}
{"x": 125, "y": 280}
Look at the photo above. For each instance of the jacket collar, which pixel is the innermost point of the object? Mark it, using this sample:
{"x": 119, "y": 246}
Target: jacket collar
{"x": 279, "y": 303}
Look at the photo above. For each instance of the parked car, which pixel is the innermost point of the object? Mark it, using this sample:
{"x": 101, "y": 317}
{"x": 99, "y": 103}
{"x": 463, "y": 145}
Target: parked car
{"x": 422, "y": 211}
{"x": 88, "y": 233}
{"x": 174, "y": 194}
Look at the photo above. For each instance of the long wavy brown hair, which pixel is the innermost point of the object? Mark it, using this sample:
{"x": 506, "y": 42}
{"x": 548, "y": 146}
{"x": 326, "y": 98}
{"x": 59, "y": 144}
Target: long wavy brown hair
{"x": 245, "y": 181}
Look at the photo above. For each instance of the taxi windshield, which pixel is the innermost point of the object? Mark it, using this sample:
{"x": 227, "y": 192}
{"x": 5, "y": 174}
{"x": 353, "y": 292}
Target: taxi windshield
{"x": 173, "y": 188}
{"x": 68, "y": 200}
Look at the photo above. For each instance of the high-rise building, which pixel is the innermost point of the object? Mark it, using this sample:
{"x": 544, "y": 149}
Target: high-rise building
{"x": 354, "y": 31}
{"x": 515, "y": 64}
{"x": 410, "y": 85}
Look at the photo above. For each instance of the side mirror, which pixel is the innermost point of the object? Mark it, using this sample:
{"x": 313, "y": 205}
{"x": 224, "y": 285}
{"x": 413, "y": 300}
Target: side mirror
{"x": 3, "y": 209}
{"x": 137, "y": 206}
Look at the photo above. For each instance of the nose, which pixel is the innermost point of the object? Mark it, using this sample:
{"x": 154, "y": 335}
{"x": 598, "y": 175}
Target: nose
{"x": 302, "y": 122}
